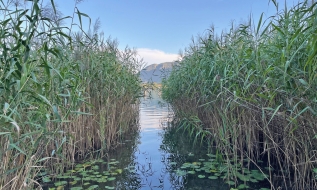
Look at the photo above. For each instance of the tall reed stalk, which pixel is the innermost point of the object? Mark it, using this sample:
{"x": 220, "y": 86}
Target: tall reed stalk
{"x": 62, "y": 97}
{"x": 253, "y": 90}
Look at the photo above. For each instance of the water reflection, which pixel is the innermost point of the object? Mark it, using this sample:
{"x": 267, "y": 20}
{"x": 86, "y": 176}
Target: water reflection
{"x": 140, "y": 158}
{"x": 149, "y": 158}
{"x": 150, "y": 161}
{"x": 160, "y": 151}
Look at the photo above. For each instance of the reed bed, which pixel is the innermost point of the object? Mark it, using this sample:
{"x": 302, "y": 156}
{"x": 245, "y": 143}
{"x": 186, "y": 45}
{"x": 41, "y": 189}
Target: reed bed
{"x": 252, "y": 93}
{"x": 65, "y": 96}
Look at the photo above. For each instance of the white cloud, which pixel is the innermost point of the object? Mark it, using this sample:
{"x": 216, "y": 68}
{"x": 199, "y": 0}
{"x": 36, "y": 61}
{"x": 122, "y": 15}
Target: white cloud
{"x": 151, "y": 56}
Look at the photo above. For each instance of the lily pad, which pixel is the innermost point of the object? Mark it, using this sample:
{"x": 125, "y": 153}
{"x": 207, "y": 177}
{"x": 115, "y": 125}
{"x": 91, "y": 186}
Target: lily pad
{"x": 60, "y": 183}
{"x": 230, "y": 182}
{"x": 119, "y": 171}
{"x": 180, "y": 172}
{"x": 93, "y": 187}
{"x": 46, "y": 179}
{"x": 213, "y": 177}
{"x": 76, "y": 188}
{"x": 243, "y": 186}
{"x": 73, "y": 182}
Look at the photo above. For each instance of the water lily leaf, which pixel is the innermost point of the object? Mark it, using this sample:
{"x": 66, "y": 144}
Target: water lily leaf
{"x": 230, "y": 182}
{"x": 108, "y": 187}
{"x": 42, "y": 173}
{"x": 211, "y": 155}
{"x": 201, "y": 176}
{"x": 119, "y": 171}
{"x": 93, "y": 187}
{"x": 84, "y": 173}
{"x": 102, "y": 180}
{"x": 243, "y": 186}
{"x": 60, "y": 183}
{"x": 79, "y": 166}
{"x": 180, "y": 172}
{"x": 63, "y": 177}
{"x": 191, "y": 172}
{"x": 111, "y": 178}
{"x": 254, "y": 180}
{"x": 77, "y": 178}
{"x": 113, "y": 163}
{"x": 73, "y": 182}
{"x": 46, "y": 179}
{"x": 243, "y": 177}
{"x": 213, "y": 177}
{"x": 76, "y": 188}
{"x": 258, "y": 176}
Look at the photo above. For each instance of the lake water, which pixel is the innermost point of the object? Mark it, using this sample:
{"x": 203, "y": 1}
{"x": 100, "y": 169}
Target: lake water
{"x": 159, "y": 150}
{"x": 155, "y": 157}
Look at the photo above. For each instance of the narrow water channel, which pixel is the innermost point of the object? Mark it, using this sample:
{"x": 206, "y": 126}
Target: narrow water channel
{"x": 159, "y": 151}
{"x": 157, "y": 156}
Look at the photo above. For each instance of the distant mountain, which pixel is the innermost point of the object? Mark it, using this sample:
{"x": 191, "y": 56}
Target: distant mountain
{"x": 156, "y": 72}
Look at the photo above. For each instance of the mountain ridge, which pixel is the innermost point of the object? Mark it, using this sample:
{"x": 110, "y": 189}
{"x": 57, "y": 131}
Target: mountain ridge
{"x": 156, "y": 72}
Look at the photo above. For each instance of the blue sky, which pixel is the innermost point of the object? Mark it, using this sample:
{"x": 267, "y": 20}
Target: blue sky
{"x": 160, "y": 28}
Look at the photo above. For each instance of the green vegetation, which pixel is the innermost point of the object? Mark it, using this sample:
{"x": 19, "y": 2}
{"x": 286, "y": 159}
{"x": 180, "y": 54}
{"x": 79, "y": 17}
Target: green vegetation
{"x": 212, "y": 169}
{"x": 64, "y": 95}
{"x": 252, "y": 93}
{"x": 82, "y": 176}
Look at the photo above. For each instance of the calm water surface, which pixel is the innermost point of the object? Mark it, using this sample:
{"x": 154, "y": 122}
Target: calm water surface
{"x": 149, "y": 158}
{"x": 158, "y": 151}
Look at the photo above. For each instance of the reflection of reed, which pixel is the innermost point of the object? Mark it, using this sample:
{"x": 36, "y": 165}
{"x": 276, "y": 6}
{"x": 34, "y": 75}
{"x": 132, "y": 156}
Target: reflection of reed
{"x": 149, "y": 170}
{"x": 125, "y": 154}
{"x": 176, "y": 147}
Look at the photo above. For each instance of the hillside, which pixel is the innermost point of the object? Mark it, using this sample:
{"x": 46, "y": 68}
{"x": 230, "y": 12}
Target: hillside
{"x": 156, "y": 72}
